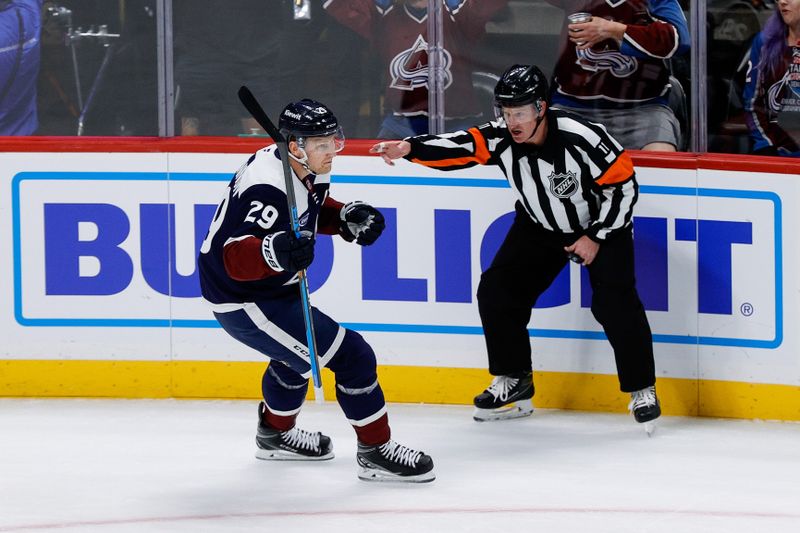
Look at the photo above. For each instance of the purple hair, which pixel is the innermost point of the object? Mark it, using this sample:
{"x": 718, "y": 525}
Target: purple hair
{"x": 773, "y": 49}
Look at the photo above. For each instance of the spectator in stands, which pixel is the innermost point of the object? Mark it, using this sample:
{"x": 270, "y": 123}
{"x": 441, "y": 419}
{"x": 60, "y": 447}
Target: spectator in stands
{"x": 613, "y": 70}
{"x": 772, "y": 87}
{"x": 398, "y": 29}
{"x": 20, "y": 30}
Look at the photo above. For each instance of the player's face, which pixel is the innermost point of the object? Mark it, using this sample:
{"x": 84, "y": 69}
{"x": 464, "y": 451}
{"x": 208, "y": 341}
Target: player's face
{"x": 520, "y": 121}
{"x": 321, "y": 151}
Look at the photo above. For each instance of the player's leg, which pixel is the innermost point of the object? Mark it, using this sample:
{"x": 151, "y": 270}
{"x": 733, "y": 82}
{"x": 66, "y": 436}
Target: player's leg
{"x": 361, "y": 398}
{"x": 277, "y": 436}
{"x": 617, "y": 307}
{"x": 523, "y": 268}
{"x": 277, "y": 330}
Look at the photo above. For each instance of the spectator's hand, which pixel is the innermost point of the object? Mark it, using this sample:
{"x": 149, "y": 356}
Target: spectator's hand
{"x": 284, "y": 252}
{"x": 587, "y": 34}
{"x": 585, "y": 248}
{"x": 361, "y": 222}
{"x": 389, "y": 150}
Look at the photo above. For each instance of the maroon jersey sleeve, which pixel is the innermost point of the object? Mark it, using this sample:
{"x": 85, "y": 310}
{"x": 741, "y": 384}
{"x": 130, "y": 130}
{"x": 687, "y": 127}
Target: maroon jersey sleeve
{"x": 243, "y": 260}
{"x": 329, "y": 219}
{"x": 658, "y": 39}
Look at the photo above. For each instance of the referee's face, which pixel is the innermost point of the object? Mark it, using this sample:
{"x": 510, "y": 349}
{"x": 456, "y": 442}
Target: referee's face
{"x": 521, "y": 122}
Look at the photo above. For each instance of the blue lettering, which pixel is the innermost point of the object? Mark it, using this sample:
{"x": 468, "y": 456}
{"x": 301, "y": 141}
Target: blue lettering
{"x": 558, "y": 291}
{"x": 453, "y": 261}
{"x": 493, "y": 238}
{"x": 650, "y": 265}
{"x": 714, "y": 241}
{"x": 157, "y": 228}
{"x": 586, "y": 289}
{"x": 650, "y": 262}
{"x": 379, "y": 268}
{"x": 320, "y": 269}
{"x": 555, "y": 295}
{"x": 63, "y": 249}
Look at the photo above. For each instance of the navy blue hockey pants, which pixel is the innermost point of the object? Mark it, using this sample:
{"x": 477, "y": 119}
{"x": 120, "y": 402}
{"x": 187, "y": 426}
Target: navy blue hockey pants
{"x": 276, "y": 329}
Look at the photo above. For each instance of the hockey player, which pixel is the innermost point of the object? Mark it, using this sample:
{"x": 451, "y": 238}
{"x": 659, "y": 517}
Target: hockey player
{"x": 575, "y": 189}
{"x": 249, "y": 264}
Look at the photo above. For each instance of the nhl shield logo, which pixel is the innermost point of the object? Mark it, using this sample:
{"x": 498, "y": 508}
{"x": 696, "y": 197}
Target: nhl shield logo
{"x": 563, "y": 185}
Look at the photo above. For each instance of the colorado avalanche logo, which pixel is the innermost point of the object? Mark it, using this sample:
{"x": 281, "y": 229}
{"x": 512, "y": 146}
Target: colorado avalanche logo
{"x": 619, "y": 65}
{"x": 784, "y": 94}
{"x": 409, "y": 68}
{"x": 563, "y": 185}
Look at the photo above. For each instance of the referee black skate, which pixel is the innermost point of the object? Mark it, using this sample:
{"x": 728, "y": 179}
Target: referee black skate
{"x": 575, "y": 188}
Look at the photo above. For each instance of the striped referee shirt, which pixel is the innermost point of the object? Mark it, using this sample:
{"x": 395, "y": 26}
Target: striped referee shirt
{"x": 580, "y": 180}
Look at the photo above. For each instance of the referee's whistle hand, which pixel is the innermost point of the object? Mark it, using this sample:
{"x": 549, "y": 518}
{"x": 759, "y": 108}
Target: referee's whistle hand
{"x": 585, "y": 248}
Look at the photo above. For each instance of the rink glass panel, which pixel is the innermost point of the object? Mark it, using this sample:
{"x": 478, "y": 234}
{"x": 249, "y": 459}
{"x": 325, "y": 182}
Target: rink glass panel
{"x": 98, "y": 73}
{"x": 171, "y": 67}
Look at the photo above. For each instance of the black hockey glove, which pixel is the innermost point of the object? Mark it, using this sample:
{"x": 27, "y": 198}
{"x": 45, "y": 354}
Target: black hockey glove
{"x": 284, "y": 252}
{"x": 361, "y": 222}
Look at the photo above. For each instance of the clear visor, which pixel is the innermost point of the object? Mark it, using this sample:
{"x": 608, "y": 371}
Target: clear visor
{"x": 323, "y": 145}
{"x": 516, "y": 115}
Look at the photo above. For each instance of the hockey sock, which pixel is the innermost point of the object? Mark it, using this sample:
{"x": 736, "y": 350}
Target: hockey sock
{"x": 375, "y": 433}
{"x": 281, "y": 423}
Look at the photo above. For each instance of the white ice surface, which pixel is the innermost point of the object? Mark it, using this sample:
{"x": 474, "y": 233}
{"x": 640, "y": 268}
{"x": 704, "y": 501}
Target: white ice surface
{"x": 167, "y": 465}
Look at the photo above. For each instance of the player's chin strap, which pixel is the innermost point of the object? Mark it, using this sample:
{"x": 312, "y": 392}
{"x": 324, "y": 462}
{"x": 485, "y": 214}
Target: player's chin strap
{"x": 304, "y": 161}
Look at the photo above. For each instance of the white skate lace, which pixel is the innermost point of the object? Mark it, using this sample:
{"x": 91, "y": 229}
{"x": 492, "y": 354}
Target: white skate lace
{"x": 299, "y": 438}
{"x": 399, "y": 453}
{"x": 642, "y": 398}
{"x": 501, "y": 386}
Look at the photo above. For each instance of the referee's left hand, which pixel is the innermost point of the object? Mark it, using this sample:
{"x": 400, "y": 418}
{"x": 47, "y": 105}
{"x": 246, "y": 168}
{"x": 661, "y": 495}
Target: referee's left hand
{"x": 585, "y": 247}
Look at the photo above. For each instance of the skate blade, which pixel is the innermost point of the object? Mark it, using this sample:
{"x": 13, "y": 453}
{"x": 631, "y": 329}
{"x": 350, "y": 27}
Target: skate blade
{"x": 381, "y": 476}
{"x": 650, "y": 428}
{"x": 283, "y": 455}
{"x": 518, "y": 409}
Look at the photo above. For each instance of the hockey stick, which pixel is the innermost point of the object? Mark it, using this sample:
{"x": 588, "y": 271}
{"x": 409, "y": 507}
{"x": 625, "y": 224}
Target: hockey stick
{"x": 251, "y": 104}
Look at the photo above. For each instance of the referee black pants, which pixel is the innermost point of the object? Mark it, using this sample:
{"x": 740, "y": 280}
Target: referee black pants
{"x": 526, "y": 264}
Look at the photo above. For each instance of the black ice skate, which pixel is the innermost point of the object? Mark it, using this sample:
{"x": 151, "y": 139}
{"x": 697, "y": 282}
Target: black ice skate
{"x": 645, "y": 408}
{"x": 393, "y": 462}
{"x": 292, "y": 445}
{"x": 507, "y": 397}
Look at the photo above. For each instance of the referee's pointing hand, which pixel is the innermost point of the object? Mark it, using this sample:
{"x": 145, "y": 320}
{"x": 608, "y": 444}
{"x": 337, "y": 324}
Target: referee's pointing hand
{"x": 390, "y": 150}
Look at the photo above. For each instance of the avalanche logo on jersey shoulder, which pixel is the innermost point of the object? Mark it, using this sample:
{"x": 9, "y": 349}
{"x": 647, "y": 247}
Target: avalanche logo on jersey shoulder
{"x": 563, "y": 185}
